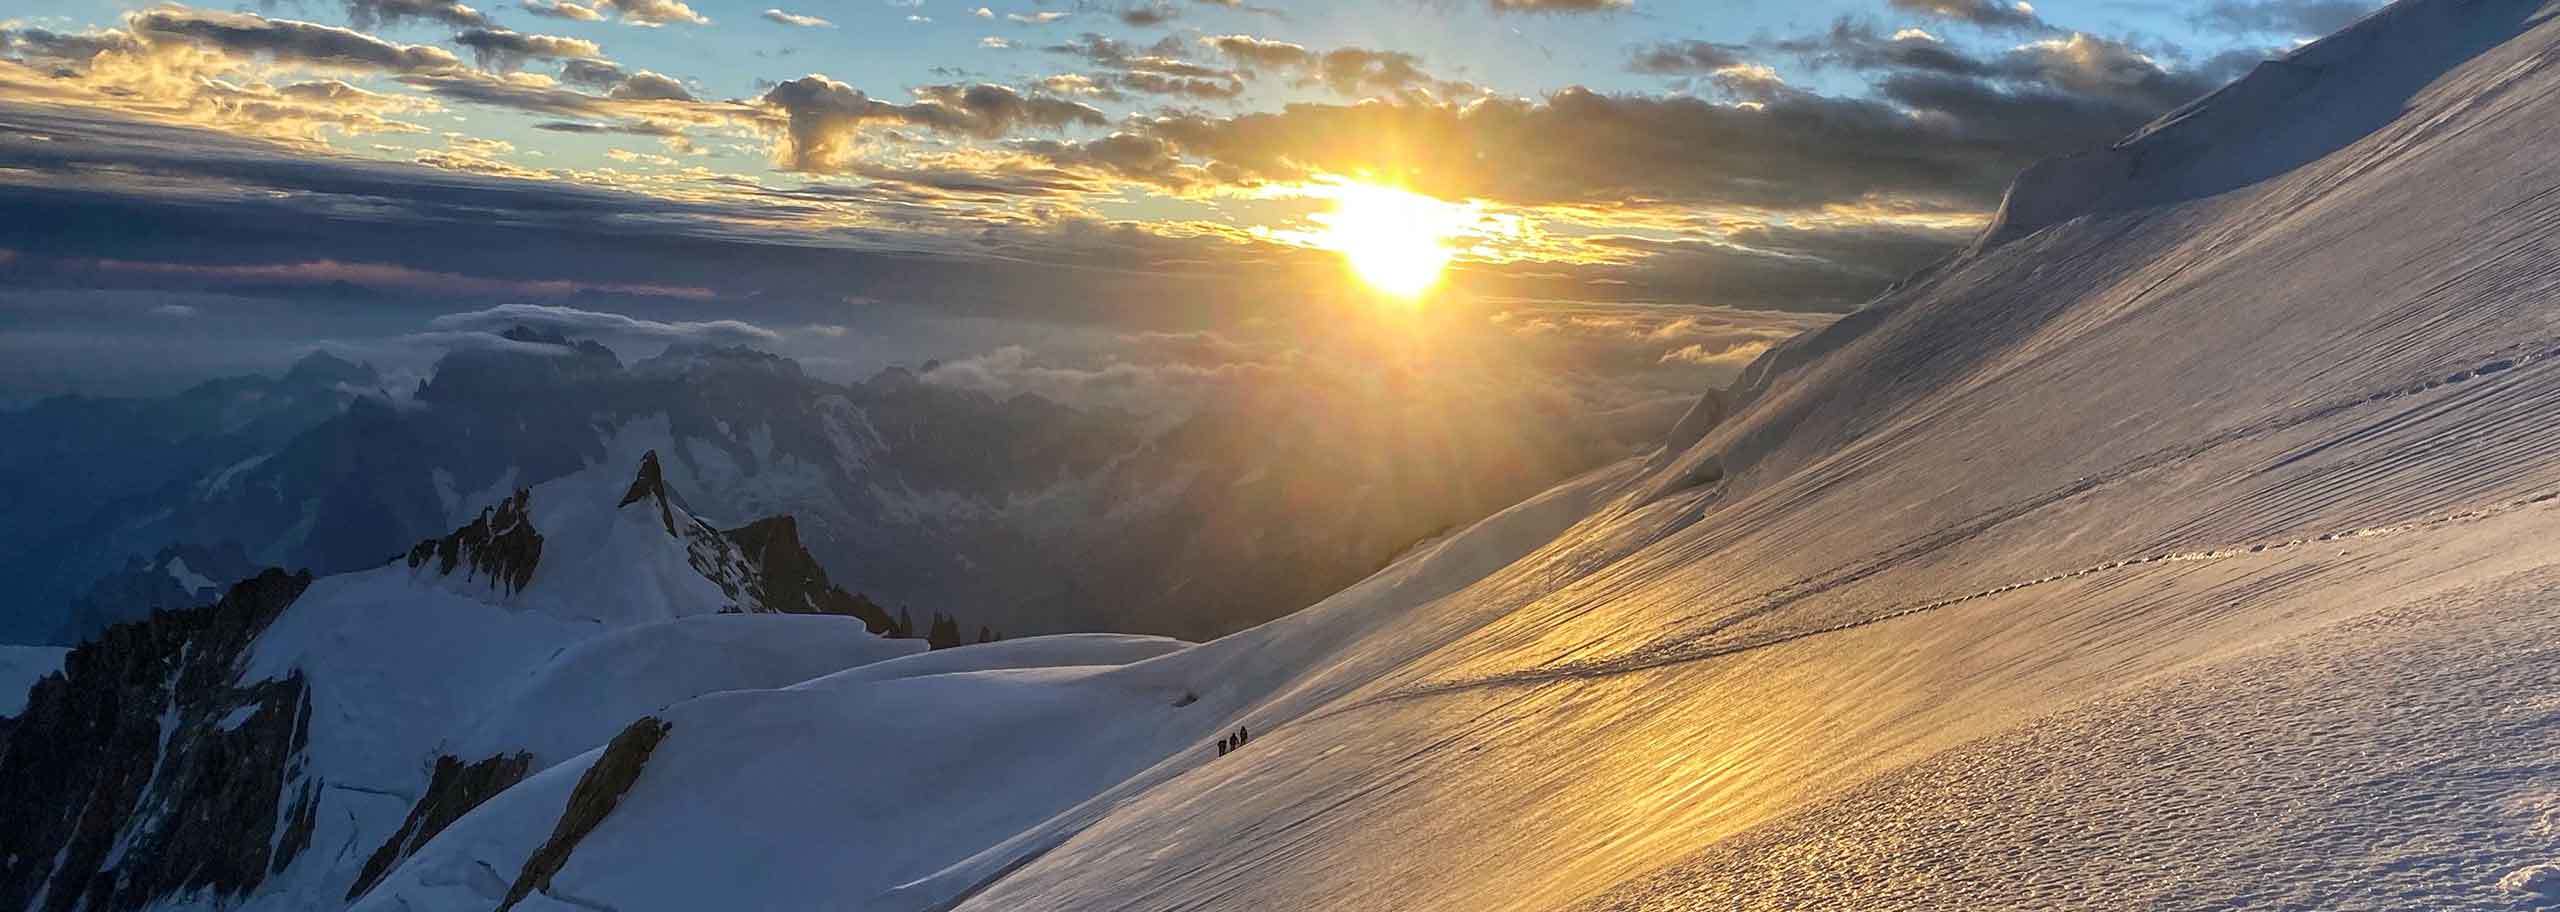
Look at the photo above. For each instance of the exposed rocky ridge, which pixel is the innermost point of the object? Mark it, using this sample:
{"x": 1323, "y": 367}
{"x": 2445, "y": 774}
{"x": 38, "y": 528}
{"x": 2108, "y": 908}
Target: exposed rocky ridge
{"x": 144, "y": 771}
{"x": 501, "y": 546}
{"x": 454, "y": 789}
{"x": 598, "y": 792}
{"x": 147, "y": 771}
{"x": 788, "y": 580}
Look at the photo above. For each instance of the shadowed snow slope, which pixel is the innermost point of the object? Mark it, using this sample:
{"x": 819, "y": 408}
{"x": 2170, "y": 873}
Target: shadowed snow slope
{"x": 2185, "y": 546}
{"x": 388, "y": 701}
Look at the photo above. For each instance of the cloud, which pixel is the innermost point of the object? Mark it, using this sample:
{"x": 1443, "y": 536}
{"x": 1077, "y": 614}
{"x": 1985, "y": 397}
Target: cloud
{"x": 2011, "y": 15}
{"x": 1688, "y": 57}
{"x": 286, "y": 41}
{"x": 1346, "y": 71}
{"x": 61, "y": 47}
{"x": 1148, "y": 14}
{"x": 503, "y": 50}
{"x": 1153, "y": 373}
{"x": 272, "y": 78}
{"x": 370, "y": 14}
{"x": 820, "y": 119}
{"x": 1673, "y": 348}
{"x": 652, "y": 13}
{"x": 796, "y": 20}
{"x": 563, "y": 9}
{"x": 329, "y": 273}
{"x": 1789, "y": 151}
{"x": 577, "y": 323}
{"x": 644, "y": 103}
{"x": 1261, "y": 53}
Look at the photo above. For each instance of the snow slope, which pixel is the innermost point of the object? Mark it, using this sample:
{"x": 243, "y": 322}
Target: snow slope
{"x": 623, "y": 616}
{"x": 2184, "y": 545}
{"x": 2139, "y": 445}
{"x": 899, "y": 785}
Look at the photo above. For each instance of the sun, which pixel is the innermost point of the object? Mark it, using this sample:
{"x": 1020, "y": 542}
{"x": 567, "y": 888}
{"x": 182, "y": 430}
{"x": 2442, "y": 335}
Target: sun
{"x": 1395, "y": 240}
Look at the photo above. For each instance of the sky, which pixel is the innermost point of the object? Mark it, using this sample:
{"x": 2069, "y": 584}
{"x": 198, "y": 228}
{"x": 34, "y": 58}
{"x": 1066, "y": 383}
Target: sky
{"x": 1654, "y": 188}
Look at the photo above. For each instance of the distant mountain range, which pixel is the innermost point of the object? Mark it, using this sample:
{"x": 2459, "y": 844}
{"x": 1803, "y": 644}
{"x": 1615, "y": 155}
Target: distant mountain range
{"x": 1018, "y": 512}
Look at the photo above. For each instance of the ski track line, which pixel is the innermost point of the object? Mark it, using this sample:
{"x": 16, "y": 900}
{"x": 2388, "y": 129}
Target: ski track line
{"x": 1652, "y": 658}
{"x": 1733, "y": 614}
{"x": 1689, "y": 650}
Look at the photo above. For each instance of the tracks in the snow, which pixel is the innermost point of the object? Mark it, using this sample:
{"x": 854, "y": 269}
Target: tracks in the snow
{"x": 1707, "y": 644}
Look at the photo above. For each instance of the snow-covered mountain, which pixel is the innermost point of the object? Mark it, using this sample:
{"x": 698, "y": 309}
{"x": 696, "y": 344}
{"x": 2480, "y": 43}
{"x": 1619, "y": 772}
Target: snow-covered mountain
{"x": 71, "y": 461}
{"x": 2185, "y": 544}
{"x": 298, "y": 737}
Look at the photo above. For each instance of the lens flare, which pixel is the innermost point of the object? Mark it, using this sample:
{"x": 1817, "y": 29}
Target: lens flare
{"x": 1395, "y": 240}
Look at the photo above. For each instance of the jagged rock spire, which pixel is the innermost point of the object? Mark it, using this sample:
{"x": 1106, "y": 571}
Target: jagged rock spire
{"x": 501, "y": 545}
{"x": 651, "y": 484}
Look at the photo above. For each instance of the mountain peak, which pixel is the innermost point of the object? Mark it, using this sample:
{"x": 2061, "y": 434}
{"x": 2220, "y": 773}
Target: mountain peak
{"x": 320, "y": 368}
{"x": 651, "y": 484}
{"x": 689, "y": 356}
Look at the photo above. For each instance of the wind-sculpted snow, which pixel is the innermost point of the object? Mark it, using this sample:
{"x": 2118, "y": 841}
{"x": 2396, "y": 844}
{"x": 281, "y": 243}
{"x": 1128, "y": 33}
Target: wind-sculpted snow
{"x": 2398, "y": 761}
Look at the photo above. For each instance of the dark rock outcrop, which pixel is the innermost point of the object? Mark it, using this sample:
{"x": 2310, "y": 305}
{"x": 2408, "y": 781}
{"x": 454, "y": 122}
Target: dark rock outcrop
{"x": 598, "y": 792}
{"x": 788, "y": 580}
{"x": 651, "y": 485}
{"x": 501, "y": 545}
{"x": 145, "y": 769}
{"x": 453, "y": 790}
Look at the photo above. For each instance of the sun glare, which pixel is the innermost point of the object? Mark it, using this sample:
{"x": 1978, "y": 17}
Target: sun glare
{"x": 1395, "y": 240}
